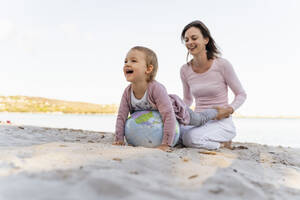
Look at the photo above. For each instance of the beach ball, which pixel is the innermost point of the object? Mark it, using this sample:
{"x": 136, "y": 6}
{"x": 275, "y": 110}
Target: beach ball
{"x": 145, "y": 128}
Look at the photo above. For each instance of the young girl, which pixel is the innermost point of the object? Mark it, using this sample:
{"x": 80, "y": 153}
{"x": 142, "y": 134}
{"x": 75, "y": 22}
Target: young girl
{"x": 144, "y": 93}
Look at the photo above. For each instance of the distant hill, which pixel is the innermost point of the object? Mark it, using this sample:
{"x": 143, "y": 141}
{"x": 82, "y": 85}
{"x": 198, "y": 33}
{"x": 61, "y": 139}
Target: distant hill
{"x": 44, "y": 105}
{"x": 38, "y": 104}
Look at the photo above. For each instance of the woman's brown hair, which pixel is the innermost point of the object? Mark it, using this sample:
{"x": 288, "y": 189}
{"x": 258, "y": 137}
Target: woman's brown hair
{"x": 211, "y": 48}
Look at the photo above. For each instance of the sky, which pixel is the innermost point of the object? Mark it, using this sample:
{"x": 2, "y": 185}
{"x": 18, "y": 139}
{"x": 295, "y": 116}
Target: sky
{"x": 75, "y": 49}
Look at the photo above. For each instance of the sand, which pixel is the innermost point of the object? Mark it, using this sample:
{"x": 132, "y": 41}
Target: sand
{"x": 66, "y": 164}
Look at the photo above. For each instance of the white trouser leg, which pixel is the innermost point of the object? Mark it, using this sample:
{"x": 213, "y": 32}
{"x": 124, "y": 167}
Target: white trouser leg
{"x": 209, "y": 135}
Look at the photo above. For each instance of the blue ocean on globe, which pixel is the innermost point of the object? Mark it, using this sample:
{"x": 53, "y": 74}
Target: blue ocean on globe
{"x": 145, "y": 128}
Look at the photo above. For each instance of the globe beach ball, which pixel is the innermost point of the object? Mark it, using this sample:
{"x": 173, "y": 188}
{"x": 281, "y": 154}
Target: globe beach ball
{"x": 145, "y": 128}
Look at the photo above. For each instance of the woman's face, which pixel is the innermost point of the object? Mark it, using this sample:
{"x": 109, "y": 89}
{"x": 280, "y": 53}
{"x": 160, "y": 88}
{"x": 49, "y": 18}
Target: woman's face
{"x": 194, "y": 41}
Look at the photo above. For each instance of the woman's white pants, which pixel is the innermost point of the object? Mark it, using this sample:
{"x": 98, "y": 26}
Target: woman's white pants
{"x": 209, "y": 135}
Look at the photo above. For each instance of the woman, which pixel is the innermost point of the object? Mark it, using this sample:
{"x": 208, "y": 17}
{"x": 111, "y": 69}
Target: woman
{"x": 206, "y": 78}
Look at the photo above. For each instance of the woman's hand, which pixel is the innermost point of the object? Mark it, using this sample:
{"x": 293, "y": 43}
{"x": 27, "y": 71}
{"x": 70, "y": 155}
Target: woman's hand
{"x": 118, "y": 143}
{"x": 223, "y": 112}
{"x": 164, "y": 147}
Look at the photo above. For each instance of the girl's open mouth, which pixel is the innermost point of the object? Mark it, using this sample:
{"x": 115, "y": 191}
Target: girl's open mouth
{"x": 129, "y": 71}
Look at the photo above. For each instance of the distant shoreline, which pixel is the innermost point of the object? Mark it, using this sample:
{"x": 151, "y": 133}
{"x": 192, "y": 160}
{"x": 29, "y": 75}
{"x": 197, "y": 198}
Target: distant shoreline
{"x": 266, "y": 117}
{"x": 234, "y": 116}
{"x": 59, "y": 113}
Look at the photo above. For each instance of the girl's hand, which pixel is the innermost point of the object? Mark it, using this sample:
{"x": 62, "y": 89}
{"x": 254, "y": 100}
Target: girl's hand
{"x": 164, "y": 147}
{"x": 118, "y": 143}
{"x": 223, "y": 112}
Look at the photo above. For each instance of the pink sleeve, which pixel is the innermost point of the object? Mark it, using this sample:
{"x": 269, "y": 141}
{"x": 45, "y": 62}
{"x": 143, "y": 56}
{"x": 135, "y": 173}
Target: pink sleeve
{"x": 235, "y": 85}
{"x": 122, "y": 117}
{"x": 165, "y": 109}
{"x": 187, "y": 95}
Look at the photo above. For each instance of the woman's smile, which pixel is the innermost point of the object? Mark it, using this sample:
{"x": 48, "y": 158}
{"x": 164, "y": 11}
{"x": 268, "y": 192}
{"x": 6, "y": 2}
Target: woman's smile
{"x": 191, "y": 48}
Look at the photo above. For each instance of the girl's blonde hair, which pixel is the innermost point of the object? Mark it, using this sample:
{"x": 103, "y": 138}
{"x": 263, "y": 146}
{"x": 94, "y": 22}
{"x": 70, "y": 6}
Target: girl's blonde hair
{"x": 151, "y": 59}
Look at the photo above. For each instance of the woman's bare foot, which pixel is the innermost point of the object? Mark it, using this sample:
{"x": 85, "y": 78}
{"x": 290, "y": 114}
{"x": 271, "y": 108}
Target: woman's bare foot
{"x": 227, "y": 145}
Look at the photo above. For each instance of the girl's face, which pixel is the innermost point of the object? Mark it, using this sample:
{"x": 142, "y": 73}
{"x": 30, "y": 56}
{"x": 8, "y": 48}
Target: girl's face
{"x": 194, "y": 41}
{"x": 135, "y": 69}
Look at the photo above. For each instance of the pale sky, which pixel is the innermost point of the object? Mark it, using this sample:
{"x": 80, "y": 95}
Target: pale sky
{"x": 75, "y": 49}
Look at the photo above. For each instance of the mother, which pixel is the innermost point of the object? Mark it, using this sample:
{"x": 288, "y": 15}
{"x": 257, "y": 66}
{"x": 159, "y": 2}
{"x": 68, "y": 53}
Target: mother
{"x": 206, "y": 78}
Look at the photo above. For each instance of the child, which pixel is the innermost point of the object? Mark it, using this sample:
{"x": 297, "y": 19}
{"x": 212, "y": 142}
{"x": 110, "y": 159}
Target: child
{"x": 145, "y": 93}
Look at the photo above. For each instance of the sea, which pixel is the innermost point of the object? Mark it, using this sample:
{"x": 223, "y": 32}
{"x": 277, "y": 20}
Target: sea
{"x": 269, "y": 131}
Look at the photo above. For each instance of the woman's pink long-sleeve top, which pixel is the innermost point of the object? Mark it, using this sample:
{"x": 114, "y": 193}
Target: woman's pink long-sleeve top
{"x": 210, "y": 88}
{"x": 167, "y": 105}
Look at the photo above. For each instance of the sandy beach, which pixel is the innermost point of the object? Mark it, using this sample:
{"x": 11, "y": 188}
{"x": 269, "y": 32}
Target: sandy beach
{"x": 50, "y": 163}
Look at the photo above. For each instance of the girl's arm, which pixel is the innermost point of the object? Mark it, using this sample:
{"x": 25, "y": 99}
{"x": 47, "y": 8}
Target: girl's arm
{"x": 164, "y": 106}
{"x": 121, "y": 119}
